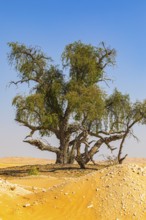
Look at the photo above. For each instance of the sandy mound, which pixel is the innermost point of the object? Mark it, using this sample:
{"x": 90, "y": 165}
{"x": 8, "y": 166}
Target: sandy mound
{"x": 11, "y": 189}
{"x": 113, "y": 193}
{"x": 122, "y": 192}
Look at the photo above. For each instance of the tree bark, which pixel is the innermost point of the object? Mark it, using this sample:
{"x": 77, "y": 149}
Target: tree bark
{"x": 85, "y": 157}
{"x": 64, "y": 145}
{"x": 81, "y": 162}
{"x": 42, "y": 146}
{"x": 59, "y": 158}
{"x": 121, "y": 159}
{"x": 71, "y": 155}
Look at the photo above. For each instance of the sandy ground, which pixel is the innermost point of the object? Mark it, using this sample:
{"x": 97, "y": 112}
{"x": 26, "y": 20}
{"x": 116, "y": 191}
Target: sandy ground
{"x": 113, "y": 193}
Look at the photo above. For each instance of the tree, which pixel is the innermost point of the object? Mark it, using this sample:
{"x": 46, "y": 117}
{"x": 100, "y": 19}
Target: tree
{"x": 73, "y": 107}
{"x": 66, "y": 106}
{"x": 117, "y": 122}
{"x": 123, "y": 115}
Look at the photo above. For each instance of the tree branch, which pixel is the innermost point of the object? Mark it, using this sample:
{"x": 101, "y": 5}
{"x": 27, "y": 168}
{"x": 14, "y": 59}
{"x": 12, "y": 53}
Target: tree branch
{"x": 42, "y": 146}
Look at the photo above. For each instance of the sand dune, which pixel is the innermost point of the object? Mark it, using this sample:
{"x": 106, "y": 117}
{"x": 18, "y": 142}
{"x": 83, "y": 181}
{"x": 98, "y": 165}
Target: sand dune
{"x": 113, "y": 193}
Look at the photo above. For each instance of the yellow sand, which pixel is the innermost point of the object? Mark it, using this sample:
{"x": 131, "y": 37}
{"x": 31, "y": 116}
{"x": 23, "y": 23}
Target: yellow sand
{"x": 114, "y": 193}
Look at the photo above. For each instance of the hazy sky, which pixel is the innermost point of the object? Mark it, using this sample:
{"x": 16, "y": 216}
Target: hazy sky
{"x": 51, "y": 24}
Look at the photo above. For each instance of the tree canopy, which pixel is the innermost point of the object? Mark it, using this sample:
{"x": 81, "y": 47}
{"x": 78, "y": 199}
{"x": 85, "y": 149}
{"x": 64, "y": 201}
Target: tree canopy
{"x": 72, "y": 106}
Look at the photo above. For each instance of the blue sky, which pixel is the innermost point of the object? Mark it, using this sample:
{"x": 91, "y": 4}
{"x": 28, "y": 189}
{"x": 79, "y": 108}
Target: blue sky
{"x": 51, "y": 24}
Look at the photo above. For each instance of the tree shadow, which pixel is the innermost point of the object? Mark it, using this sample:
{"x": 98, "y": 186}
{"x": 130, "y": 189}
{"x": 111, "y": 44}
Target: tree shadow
{"x": 22, "y": 171}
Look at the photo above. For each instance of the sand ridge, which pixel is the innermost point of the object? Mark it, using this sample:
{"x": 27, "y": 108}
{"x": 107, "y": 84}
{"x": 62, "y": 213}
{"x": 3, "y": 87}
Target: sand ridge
{"x": 113, "y": 193}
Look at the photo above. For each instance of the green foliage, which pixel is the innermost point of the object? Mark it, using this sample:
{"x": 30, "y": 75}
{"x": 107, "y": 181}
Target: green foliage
{"x": 86, "y": 63}
{"x": 118, "y": 107}
{"x": 27, "y": 59}
{"x": 33, "y": 171}
{"x": 139, "y": 111}
{"x": 31, "y": 111}
{"x": 86, "y": 101}
{"x": 51, "y": 95}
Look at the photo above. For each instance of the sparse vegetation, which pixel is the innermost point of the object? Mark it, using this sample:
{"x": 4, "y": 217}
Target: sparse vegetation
{"x": 33, "y": 171}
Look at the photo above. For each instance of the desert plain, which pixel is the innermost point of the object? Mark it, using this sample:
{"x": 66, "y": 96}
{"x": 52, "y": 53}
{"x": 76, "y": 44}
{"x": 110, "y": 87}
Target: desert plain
{"x": 67, "y": 192}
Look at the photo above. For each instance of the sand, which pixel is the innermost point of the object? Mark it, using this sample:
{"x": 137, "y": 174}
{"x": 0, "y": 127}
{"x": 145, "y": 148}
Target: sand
{"x": 113, "y": 193}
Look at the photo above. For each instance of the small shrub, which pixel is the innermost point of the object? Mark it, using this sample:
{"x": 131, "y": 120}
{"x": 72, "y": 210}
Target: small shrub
{"x": 112, "y": 160}
{"x": 33, "y": 171}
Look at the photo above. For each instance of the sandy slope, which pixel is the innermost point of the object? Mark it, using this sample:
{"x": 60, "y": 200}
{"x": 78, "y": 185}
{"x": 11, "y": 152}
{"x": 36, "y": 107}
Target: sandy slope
{"x": 112, "y": 193}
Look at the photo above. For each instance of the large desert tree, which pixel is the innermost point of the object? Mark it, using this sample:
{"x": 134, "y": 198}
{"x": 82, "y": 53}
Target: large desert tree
{"x": 72, "y": 106}
{"x": 59, "y": 104}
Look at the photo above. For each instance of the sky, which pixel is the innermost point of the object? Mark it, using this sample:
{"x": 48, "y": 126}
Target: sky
{"x": 52, "y": 24}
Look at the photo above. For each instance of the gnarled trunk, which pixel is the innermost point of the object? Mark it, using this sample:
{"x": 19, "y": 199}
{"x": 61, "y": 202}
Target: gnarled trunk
{"x": 64, "y": 145}
{"x": 59, "y": 158}
{"x": 71, "y": 155}
{"x": 84, "y": 158}
{"x": 121, "y": 159}
{"x": 67, "y": 158}
{"x": 81, "y": 162}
